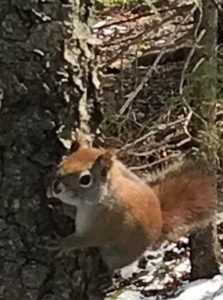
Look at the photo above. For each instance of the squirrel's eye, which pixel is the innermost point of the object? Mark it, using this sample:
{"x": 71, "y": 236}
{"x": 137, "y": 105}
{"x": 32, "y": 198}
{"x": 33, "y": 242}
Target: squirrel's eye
{"x": 85, "y": 179}
{"x": 57, "y": 187}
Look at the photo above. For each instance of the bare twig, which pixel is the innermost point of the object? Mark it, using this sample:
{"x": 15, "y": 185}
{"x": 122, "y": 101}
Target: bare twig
{"x": 153, "y": 50}
{"x": 141, "y": 154}
{"x": 148, "y": 74}
{"x": 142, "y": 138}
{"x": 149, "y": 165}
{"x": 194, "y": 113}
{"x": 188, "y": 60}
{"x": 139, "y": 35}
{"x": 147, "y": 14}
{"x": 153, "y": 131}
{"x": 197, "y": 65}
{"x": 197, "y": 38}
{"x": 185, "y": 127}
{"x": 132, "y": 95}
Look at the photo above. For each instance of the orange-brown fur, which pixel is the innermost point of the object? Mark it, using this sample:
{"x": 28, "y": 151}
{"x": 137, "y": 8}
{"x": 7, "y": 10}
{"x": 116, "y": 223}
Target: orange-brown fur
{"x": 80, "y": 160}
{"x": 187, "y": 199}
{"x": 139, "y": 201}
{"x": 135, "y": 215}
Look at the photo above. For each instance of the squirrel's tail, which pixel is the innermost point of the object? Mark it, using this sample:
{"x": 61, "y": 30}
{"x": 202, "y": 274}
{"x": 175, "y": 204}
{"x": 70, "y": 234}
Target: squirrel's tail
{"x": 187, "y": 199}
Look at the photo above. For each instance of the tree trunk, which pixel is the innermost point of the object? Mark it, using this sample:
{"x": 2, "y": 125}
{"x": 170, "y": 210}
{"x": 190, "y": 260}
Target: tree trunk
{"x": 47, "y": 88}
{"x": 203, "y": 243}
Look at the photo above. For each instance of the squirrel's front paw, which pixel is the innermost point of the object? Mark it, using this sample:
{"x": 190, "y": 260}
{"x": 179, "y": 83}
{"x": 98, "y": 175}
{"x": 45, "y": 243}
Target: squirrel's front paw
{"x": 57, "y": 248}
{"x": 53, "y": 248}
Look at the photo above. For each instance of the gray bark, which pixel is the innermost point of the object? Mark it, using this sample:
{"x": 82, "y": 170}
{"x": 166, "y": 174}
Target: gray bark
{"x": 46, "y": 67}
{"x": 205, "y": 252}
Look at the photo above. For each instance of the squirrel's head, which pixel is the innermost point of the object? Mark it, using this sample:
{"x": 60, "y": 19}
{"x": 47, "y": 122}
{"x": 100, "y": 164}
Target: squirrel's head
{"x": 82, "y": 174}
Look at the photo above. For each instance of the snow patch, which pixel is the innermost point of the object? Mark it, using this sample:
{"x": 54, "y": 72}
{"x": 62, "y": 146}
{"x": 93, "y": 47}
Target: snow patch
{"x": 206, "y": 289}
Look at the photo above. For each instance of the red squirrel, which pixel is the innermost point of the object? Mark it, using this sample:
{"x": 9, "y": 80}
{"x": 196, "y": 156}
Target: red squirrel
{"x": 119, "y": 212}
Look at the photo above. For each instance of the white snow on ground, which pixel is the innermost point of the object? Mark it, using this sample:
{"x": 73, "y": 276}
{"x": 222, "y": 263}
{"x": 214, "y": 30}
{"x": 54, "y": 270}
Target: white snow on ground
{"x": 202, "y": 289}
{"x": 133, "y": 295}
{"x": 158, "y": 270}
{"x": 163, "y": 274}
{"x": 198, "y": 290}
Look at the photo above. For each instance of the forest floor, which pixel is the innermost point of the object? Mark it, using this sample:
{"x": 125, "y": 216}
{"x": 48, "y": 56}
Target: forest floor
{"x": 143, "y": 54}
{"x": 145, "y": 59}
{"x": 164, "y": 274}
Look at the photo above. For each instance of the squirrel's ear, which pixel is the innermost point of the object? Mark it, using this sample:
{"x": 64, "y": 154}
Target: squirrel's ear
{"x": 82, "y": 141}
{"x": 104, "y": 162}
